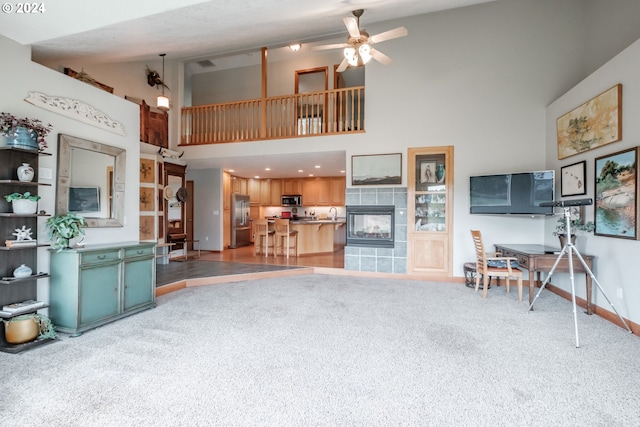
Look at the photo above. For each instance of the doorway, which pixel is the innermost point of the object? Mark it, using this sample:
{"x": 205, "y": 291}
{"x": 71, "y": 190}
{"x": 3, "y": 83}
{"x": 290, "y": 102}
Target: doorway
{"x": 310, "y": 85}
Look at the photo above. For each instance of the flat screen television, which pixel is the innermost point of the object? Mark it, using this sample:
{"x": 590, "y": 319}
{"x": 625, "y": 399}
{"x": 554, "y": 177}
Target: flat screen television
{"x": 512, "y": 193}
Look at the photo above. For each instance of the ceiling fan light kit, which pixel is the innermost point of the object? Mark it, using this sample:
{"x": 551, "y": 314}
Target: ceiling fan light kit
{"x": 358, "y": 50}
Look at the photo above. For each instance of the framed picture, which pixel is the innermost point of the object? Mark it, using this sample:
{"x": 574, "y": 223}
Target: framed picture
{"x": 147, "y": 202}
{"x": 147, "y": 170}
{"x": 428, "y": 172}
{"x": 572, "y": 182}
{"x": 147, "y": 230}
{"x": 376, "y": 169}
{"x": 616, "y": 194}
{"x": 595, "y": 123}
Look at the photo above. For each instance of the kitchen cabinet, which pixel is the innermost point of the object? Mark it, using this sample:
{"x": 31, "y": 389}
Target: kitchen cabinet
{"x": 276, "y": 191}
{"x": 238, "y": 185}
{"x": 430, "y": 212}
{"x": 309, "y": 192}
{"x": 265, "y": 192}
{"x": 292, "y": 186}
{"x": 98, "y": 284}
{"x": 324, "y": 192}
{"x": 253, "y": 186}
{"x": 338, "y": 190}
{"x": 14, "y": 290}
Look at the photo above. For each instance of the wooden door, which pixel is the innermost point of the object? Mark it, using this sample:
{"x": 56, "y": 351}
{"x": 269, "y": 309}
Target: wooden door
{"x": 430, "y": 211}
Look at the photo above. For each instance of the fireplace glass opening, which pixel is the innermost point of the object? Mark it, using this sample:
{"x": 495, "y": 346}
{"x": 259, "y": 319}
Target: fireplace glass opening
{"x": 371, "y": 226}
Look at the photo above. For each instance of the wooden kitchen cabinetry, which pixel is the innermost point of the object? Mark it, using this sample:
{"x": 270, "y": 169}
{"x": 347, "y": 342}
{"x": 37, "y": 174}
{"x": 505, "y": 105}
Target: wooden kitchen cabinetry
{"x": 338, "y": 190}
{"x": 265, "y": 192}
{"x": 14, "y": 290}
{"x": 291, "y": 186}
{"x": 253, "y": 188}
{"x": 430, "y": 212}
{"x": 276, "y": 192}
{"x": 98, "y": 284}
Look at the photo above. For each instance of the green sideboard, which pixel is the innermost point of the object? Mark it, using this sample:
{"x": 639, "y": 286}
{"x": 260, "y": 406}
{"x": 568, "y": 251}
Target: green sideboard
{"x": 97, "y": 284}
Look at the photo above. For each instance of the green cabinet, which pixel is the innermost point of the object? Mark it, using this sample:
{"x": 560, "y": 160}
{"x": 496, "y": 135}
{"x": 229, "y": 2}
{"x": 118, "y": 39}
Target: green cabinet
{"x": 98, "y": 284}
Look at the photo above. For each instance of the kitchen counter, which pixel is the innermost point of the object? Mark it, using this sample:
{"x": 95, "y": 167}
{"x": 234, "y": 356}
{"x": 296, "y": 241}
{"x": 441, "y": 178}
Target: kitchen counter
{"x": 320, "y": 235}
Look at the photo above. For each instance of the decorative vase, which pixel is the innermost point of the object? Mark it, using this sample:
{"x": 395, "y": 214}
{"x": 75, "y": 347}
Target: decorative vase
{"x": 24, "y": 206}
{"x": 23, "y": 138}
{"x": 25, "y": 172}
{"x": 22, "y": 272}
{"x": 440, "y": 172}
{"x": 21, "y": 331}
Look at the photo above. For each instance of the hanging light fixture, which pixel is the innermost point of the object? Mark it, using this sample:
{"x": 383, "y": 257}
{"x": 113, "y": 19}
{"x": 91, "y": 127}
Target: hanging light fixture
{"x": 162, "y": 102}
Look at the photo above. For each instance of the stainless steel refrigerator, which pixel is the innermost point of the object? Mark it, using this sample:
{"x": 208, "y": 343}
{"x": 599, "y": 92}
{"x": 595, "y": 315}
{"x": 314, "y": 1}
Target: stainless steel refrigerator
{"x": 240, "y": 225}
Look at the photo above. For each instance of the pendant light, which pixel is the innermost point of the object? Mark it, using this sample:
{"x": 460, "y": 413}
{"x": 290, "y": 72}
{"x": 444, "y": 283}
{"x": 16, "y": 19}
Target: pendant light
{"x": 162, "y": 102}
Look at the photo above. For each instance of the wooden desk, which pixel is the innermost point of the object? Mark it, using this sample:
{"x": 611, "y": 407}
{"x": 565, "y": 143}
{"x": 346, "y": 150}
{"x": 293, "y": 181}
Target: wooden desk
{"x": 539, "y": 258}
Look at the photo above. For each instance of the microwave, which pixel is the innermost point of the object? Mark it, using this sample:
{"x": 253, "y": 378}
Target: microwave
{"x": 291, "y": 200}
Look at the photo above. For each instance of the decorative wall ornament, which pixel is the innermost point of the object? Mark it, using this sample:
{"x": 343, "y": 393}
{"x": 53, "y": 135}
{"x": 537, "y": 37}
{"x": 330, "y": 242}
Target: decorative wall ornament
{"x": 77, "y": 110}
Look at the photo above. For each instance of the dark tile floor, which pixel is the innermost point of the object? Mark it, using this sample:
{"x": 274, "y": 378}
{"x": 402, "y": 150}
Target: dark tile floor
{"x": 176, "y": 271}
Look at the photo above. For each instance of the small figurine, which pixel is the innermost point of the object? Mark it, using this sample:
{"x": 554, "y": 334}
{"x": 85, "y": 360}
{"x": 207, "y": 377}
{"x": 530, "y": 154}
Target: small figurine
{"x": 23, "y": 234}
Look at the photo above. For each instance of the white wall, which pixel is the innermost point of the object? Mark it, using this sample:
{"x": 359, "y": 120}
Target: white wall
{"x": 615, "y": 258}
{"x": 208, "y": 209}
{"x": 18, "y": 76}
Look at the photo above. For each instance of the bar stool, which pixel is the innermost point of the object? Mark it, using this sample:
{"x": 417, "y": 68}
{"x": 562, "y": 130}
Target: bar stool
{"x": 261, "y": 235}
{"x": 283, "y": 232}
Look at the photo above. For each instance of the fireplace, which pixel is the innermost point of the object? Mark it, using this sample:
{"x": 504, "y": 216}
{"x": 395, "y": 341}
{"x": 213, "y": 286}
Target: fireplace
{"x": 371, "y": 225}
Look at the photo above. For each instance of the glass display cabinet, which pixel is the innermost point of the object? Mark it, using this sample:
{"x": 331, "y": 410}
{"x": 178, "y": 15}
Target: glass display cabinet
{"x": 430, "y": 191}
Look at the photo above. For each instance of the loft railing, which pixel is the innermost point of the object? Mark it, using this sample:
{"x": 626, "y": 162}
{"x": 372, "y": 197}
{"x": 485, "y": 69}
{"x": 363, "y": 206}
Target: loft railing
{"x": 328, "y": 112}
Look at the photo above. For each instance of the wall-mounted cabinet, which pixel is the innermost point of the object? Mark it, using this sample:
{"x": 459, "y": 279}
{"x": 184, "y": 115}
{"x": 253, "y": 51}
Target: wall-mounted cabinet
{"x": 430, "y": 212}
{"x": 14, "y": 290}
{"x": 291, "y": 186}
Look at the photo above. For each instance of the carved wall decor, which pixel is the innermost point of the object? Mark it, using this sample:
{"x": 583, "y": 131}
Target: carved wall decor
{"x": 77, "y": 110}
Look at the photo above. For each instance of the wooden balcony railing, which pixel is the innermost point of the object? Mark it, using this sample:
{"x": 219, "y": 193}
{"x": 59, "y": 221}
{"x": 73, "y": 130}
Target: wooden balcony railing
{"x": 328, "y": 112}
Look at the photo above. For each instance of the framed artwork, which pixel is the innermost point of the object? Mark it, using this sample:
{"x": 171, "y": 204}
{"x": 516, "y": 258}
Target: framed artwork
{"x": 572, "y": 182}
{"x": 595, "y": 123}
{"x": 147, "y": 227}
{"x": 147, "y": 202}
{"x": 376, "y": 169}
{"x": 616, "y": 194}
{"x": 147, "y": 169}
{"x": 428, "y": 172}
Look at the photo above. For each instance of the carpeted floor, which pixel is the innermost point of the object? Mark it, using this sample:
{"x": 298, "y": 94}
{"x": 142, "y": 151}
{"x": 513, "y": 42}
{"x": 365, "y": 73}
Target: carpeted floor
{"x": 332, "y": 350}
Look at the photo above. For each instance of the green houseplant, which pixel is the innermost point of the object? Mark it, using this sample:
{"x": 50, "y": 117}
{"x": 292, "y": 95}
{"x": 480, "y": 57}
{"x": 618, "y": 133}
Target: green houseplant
{"x": 576, "y": 225}
{"x": 10, "y": 127}
{"x": 62, "y": 228}
{"x": 23, "y": 203}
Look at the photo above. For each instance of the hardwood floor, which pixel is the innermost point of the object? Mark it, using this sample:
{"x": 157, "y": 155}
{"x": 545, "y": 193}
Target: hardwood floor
{"x": 245, "y": 255}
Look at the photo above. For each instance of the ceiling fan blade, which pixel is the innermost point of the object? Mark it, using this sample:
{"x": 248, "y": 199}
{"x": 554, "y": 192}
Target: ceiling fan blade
{"x": 352, "y": 26}
{"x": 380, "y": 57}
{"x": 342, "y": 66}
{"x": 330, "y": 46}
{"x": 388, "y": 35}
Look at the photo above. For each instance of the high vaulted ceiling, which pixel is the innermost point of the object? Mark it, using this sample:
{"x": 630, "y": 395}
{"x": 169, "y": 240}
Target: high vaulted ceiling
{"x": 126, "y": 30}
{"x": 68, "y": 31}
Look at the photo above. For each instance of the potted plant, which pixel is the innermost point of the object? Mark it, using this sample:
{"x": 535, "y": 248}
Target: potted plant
{"x": 24, "y": 132}
{"x": 25, "y": 203}
{"x": 62, "y": 228}
{"x": 576, "y": 225}
{"x": 27, "y": 327}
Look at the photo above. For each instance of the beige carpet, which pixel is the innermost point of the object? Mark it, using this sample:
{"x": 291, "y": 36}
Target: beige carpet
{"x": 319, "y": 350}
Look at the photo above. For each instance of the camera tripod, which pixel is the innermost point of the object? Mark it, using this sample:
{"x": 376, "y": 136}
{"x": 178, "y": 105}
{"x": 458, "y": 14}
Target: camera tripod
{"x": 570, "y": 249}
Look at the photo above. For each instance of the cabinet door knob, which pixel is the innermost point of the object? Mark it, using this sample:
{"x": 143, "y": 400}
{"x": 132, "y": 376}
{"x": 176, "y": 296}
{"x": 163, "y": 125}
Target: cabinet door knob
{"x": 102, "y": 256}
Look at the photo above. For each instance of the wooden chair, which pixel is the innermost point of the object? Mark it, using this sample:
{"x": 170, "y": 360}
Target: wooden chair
{"x": 284, "y": 233}
{"x": 261, "y": 241}
{"x": 504, "y": 268}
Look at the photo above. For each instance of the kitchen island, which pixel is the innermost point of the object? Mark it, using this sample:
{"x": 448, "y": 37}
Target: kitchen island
{"x": 319, "y": 236}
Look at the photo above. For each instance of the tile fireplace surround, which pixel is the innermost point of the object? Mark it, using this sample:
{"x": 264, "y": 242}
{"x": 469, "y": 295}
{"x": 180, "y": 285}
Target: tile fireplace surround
{"x": 384, "y": 260}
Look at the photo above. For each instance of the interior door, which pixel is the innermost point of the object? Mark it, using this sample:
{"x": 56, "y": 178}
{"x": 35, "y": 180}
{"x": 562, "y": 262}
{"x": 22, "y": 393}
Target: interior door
{"x": 311, "y": 106}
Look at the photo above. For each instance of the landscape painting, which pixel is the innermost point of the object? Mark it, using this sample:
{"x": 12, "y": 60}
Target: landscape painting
{"x": 595, "y": 123}
{"x": 376, "y": 169}
{"x": 616, "y": 194}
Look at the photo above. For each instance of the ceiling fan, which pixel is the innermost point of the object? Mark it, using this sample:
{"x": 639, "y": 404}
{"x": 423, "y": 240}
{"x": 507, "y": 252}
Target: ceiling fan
{"x": 358, "y": 50}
